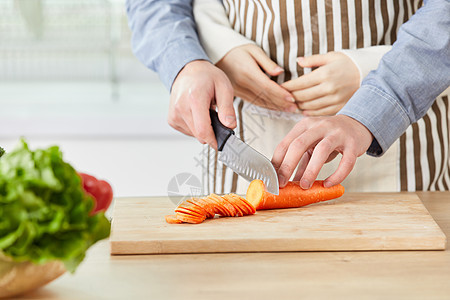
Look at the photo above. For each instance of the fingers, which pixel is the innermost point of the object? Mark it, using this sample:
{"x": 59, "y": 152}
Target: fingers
{"x": 305, "y": 81}
{"x": 302, "y": 166}
{"x": 176, "y": 122}
{"x": 323, "y": 138}
{"x": 259, "y": 100}
{"x": 321, "y": 102}
{"x": 291, "y": 150}
{"x": 318, "y": 158}
{"x": 283, "y": 146}
{"x": 272, "y": 92}
{"x": 265, "y": 62}
{"x": 195, "y": 90}
{"x": 224, "y": 100}
{"x": 199, "y": 119}
{"x": 346, "y": 165}
{"x": 311, "y": 93}
{"x": 325, "y": 111}
{"x": 248, "y": 75}
{"x": 175, "y": 116}
{"x": 313, "y": 60}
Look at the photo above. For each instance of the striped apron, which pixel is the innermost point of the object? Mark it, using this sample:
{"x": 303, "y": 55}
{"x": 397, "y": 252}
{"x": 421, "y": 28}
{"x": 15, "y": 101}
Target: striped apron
{"x": 285, "y": 30}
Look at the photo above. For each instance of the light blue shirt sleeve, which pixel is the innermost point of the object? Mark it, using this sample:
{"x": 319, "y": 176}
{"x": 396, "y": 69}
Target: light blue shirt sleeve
{"x": 408, "y": 78}
{"x": 164, "y": 36}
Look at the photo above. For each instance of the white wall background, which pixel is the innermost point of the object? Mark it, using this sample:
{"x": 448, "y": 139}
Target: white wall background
{"x": 68, "y": 78}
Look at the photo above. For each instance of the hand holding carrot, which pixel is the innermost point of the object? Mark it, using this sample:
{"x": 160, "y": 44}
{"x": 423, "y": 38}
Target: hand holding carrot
{"x": 325, "y": 90}
{"x": 316, "y": 140}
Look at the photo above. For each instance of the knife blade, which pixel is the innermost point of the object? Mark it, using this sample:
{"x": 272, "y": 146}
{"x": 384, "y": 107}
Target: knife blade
{"x": 241, "y": 158}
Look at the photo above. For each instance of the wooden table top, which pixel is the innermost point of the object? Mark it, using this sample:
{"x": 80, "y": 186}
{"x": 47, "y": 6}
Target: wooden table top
{"x": 292, "y": 275}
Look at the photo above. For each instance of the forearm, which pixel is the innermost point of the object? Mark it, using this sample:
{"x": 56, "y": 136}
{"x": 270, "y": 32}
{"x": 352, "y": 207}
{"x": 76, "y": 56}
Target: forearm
{"x": 408, "y": 79}
{"x": 214, "y": 29}
{"x": 164, "y": 36}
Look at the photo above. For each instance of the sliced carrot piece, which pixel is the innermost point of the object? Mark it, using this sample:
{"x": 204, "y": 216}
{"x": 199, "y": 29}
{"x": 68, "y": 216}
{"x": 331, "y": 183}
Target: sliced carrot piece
{"x": 192, "y": 207}
{"x": 172, "y": 219}
{"x": 248, "y": 204}
{"x": 227, "y": 207}
{"x": 245, "y": 209}
{"x": 186, "y": 204}
{"x": 194, "y": 201}
{"x": 236, "y": 204}
{"x": 207, "y": 206}
{"x": 188, "y": 212}
{"x": 230, "y": 207}
{"x": 218, "y": 208}
{"x": 230, "y": 200}
{"x": 189, "y": 219}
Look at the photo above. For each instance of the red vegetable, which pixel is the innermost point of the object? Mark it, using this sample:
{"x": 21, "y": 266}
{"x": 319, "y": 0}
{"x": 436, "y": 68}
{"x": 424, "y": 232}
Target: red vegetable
{"x": 100, "y": 190}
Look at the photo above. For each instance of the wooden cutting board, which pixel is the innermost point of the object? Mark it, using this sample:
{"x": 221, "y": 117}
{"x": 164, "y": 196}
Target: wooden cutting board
{"x": 356, "y": 221}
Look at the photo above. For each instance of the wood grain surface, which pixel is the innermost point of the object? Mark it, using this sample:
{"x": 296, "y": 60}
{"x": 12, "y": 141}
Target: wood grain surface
{"x": 356, "y": 221}
{"x": 372, "y": 275}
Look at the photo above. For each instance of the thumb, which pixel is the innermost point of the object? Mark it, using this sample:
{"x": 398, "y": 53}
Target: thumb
{"x": 264, "y": 61}
{"x": 224, "y": 100}
{"x": 313, "y": 61}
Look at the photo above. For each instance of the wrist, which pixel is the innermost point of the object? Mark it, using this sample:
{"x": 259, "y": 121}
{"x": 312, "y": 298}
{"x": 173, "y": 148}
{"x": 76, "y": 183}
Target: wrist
{"x": 365, "y": 135}
{"x": 193, "y": 66}
{"x": 197, "y": 64}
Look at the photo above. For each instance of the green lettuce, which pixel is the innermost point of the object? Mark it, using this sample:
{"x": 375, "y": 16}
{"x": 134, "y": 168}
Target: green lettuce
{"x": 44, "y": 211}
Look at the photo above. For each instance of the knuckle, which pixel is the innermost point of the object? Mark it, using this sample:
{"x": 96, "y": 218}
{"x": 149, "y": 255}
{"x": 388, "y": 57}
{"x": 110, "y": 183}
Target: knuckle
{"x": 349, "y": 162}
{"x": 178, "y": 107}
{"x": 282, "y": 147}
{"x": 202, "y": 133}
{"x": 326, "y": 123}
{"x": 241, "y": 77}
{"x": 336, "y": 99}
{"x": 173, "y": 123}
{"x": 326, "y": 73}
{"x": 298, "y": 144}
{"x": 330, "y": 89}
{"x": 327, "y": 145}
{"x": 309, "y": 174}
{"x": 286, "y": 169}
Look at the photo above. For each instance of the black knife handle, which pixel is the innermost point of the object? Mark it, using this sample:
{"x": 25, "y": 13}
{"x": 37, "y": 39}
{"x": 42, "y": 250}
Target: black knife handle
{"x": 221, "y": 132}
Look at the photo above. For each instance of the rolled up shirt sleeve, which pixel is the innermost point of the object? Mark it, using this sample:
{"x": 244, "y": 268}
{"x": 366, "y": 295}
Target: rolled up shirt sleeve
{"x": 408, "y": 79}
{"x": 164, "y": 36}
{"x": 214, "y": 29}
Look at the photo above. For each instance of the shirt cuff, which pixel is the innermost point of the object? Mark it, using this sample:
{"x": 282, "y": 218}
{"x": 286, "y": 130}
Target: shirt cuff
{"x": 178, "y": 54}
{"x": 380, "y": 113}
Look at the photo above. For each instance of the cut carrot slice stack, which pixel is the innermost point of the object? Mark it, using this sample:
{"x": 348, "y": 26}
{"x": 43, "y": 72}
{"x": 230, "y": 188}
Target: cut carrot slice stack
{"x": 196, "y": 210}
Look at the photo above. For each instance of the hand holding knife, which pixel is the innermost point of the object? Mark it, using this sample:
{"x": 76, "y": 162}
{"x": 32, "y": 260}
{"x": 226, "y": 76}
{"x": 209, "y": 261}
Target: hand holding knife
{"x": 241, "y": 158}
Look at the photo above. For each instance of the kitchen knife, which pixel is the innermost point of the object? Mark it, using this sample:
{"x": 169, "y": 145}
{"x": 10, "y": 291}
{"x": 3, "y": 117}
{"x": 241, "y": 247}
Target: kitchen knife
{"x": 241, "y": 158}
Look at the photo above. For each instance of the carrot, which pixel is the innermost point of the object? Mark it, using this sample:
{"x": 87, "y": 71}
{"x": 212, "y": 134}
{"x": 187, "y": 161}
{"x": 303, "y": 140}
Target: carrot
{"x": 188, "y": 212}
{"x": 242, "y": 206}
{"x": 203, "y": 207}
{"x": 218, "y": 208}
{"x": 251, "y": 208}
{"x": 228, "y": 209}
{"x": 190, "y": 205}
{"x": 196, "y": 210}
{"x": 232, "y": 201}
{"x": 189, "y": 219}
{"x": 172, "y": 219}
{"x": 292, "y": 195}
